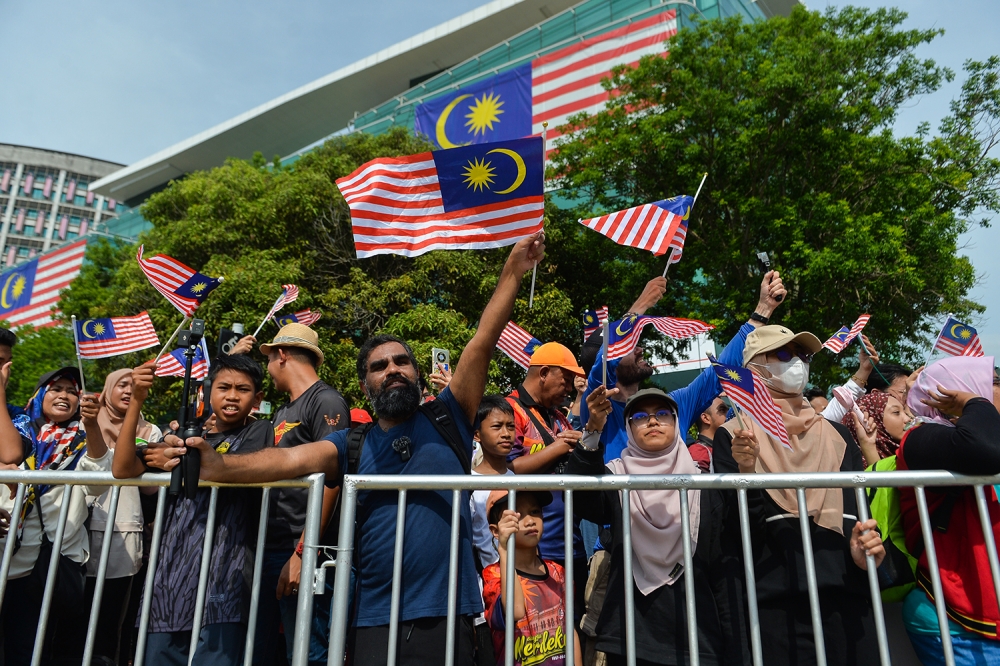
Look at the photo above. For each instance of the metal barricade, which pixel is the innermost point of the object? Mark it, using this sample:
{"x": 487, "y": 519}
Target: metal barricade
{"x": 568, "y": 484}
{"x": 313, "y": 484}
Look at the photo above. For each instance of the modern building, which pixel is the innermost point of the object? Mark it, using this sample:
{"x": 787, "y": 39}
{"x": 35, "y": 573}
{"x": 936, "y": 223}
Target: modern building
{"x": 46, "y": 200}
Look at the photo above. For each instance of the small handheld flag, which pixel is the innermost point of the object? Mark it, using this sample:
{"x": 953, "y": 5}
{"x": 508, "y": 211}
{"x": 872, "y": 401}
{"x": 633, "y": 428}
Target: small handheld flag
{"x": 625, "y": 333}
{"x": 100, "y": 338}
{"x": 289, "y": 293}
{"x": 958, "y": 339}
{"x": 304, "y": 317}
{"x": 593, "y": 320}
{"x": 183, "y": 286}
{"x": 172, "y": 364}
{"x": 750, "y": 394}
{"x": 845, "y": 335}
{"x": 518, "y": 344}
{"x": 657, "y": 227}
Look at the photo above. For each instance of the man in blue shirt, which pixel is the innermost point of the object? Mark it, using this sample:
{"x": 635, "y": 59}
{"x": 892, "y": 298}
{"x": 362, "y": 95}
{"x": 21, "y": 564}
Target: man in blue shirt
{"x": 404, "y": 441}
{"x": 629, "y": 372}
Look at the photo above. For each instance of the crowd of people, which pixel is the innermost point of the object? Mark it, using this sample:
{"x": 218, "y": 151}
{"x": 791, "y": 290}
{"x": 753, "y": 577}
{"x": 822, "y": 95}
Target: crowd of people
{"x": 589, "y": 416}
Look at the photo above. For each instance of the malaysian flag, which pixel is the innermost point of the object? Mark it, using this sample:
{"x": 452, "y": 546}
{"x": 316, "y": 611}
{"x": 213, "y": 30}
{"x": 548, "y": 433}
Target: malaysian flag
{"x": 518, "y": 344}
{"x": 304, "y": 317}
{"x": 289, "y": 293}
{"x": 172, "y": 364}
{"x": 958, "y": 339}
{"x": 100, "y": 338}
{"x": 183, "y": 286}
{"x": 29, "y": 291}
{"x": 472, "y": 197}
{"x": 624, "y": 334}
{"x": 749, "y": 393}
{"x": 658, "y": 227}
{"x": 845, "y": 335}
{"x": 593, "y": 320}
{"x": 516, "y": 101}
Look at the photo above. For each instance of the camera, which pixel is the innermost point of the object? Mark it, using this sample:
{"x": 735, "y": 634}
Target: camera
{"x": 184, "y": 477}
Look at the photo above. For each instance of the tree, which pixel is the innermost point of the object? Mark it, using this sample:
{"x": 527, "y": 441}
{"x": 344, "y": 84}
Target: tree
{"x": 792, "y": 119}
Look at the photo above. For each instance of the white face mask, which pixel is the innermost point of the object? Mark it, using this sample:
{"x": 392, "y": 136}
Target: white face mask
{"x": 788, "y": 376}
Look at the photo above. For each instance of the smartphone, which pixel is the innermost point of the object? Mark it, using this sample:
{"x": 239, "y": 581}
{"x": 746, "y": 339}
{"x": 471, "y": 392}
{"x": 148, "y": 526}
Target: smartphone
{"x": 440, "y": 357}
{"x": 764, "y": 263}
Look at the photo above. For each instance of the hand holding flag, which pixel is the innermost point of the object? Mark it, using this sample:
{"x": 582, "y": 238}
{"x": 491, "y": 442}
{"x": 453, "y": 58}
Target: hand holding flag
{"x": 749, "y": 393}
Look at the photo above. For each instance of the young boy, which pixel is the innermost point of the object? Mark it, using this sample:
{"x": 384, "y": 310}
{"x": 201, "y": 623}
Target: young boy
{"x": 495, "y": 437}
{"x": 539, "y": 591}
{"x": 236, "y": 383}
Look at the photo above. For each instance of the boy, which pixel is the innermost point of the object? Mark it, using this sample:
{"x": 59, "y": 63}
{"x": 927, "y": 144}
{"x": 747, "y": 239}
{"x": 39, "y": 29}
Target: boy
{"x": 236, "y": 383}
{"x": 539, "y": 591}
{"x": 495, "y": 437}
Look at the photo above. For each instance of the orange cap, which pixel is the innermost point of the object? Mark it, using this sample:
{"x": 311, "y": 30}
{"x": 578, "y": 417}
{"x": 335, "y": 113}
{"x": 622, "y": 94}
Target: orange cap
{"x": 557, "y": 355}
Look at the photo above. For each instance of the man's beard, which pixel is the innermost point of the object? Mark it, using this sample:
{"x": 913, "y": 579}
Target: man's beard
{"x": 398, "y": 402}
{"x": 629, "y": 372}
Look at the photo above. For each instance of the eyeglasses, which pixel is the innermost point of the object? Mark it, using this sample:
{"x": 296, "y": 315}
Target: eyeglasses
{"x": 662, "y": 416}
{"x": 786, "y": 355}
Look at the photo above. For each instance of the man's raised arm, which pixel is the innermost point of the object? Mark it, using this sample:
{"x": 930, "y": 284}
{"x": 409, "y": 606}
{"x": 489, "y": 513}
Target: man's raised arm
{"x": 469, "y": 380}
{"x": 272, "y": 464}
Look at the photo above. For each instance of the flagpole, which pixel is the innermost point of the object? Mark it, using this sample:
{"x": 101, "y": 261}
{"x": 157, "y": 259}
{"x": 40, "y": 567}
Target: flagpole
{"x": 534, "y": 271}
{"x": 167, "y": 345}
{"x": 606, "y": 333}
{"x": 670, "y": 253}
{"x": 273, "y": 311}
{"x": 736, "y": 411}
{"x": 927, "y": 358}
{"x": 79, "y": 361}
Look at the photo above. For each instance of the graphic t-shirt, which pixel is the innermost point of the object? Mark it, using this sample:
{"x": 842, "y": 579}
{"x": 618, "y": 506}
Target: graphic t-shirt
{"x": 540, "y": 636}
{"x": 175, "y": 585}
{"x": 427, "y": 527}
{"x": 319, "y": 411}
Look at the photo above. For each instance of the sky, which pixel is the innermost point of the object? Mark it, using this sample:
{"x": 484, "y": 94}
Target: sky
{"x": 120, "y": 80}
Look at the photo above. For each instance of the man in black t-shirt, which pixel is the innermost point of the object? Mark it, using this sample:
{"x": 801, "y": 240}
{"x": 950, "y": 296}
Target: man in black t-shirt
{"x": 314, "y": 411}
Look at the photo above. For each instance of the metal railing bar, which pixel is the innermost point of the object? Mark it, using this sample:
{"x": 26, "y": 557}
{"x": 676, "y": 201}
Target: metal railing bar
{"x": 991, "y": 544}
{"x": 692, "y": 610}
{"x": 932, "y": 564}
{"x": 206, "y": 565}
{"x": 147, "y": 593}
{"x": 342, "y": 583}
{"x": 629, "y": 581}
{"x": 258, "y": 567}
{"x": 397, "y": 575}
{"x": 79, "y": 478}
{"x": 50, "y": 577}
{"x": 569, "y": 574}
{"x": 753, "y": 614}
{"x": 807, "y": 554}
{"x": 310, "y": 550}
{"x": 880, "y": 631}
{"x": 449, "y": 648}
{"x": 508, "y": 608}
{"x": 102, "y": 572}
{"x": 8, "y": 550}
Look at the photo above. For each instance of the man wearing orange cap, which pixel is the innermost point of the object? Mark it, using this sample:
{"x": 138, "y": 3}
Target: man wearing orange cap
{"x": 543, "y": 439}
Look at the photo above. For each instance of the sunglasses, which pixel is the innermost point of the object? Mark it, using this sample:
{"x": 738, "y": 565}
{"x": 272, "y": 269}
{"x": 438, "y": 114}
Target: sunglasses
{"x": 662, "y": 416}
{"x": 786, "y": 355}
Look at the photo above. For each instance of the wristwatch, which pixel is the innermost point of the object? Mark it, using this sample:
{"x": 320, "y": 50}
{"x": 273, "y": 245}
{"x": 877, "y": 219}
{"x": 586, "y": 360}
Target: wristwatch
{"x": 759, "y": 317}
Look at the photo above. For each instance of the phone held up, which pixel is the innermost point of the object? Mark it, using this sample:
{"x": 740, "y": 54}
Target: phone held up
{"x": 440, "y": 357}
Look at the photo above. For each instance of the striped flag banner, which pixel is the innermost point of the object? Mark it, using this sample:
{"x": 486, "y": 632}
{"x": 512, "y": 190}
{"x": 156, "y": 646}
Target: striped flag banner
{"x": 172, "y": 364}
{"x": 518, "y": 344}
{"x": 624, "y": 334}
{"x": 845, "y": 335}
{"x": 100, "y": 338}
{"x": 467, "y": 198}
{"x": 593, "y": 320}
{"x": 750, "y": 394}
{"x": 289, "y": 294}
{"x": 28, "y": 292}
{"x": 657, "y": 227}
{"x": 958, "y": 339}
{"x": 183, "y": 286}
{"x": 304, "y": 317}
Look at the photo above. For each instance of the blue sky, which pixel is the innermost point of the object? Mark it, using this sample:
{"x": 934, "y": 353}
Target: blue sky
{"x": 120, "y": 80}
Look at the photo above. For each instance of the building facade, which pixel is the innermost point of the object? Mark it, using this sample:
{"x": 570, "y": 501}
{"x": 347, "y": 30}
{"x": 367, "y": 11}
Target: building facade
{"x": 46, "y": 200}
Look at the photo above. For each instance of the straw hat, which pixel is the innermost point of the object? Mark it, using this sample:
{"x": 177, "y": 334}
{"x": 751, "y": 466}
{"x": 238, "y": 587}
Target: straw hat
{"x": 295, "y": 335}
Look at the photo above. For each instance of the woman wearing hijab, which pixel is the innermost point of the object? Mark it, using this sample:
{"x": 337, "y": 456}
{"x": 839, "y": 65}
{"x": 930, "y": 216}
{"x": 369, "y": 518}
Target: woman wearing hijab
{"x": 781, "y": 359}
{"x": 656, "y": 447}
{"x": 58, "y": 433}
{"x": 954, "y": 401}
{"x": 885, "y": 426}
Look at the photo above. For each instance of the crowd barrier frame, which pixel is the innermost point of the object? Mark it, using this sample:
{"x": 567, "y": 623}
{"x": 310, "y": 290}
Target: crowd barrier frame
{"x": 312, "y": 483}
{"x": 626, "y": 484}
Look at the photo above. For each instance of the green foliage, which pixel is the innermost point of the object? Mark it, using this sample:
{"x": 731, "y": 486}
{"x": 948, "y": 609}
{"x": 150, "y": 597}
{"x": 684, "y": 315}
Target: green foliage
{"x": 792, "y": 120}
{"x": 36, "y": 353}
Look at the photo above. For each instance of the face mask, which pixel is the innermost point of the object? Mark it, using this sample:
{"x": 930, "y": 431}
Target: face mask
{"x": 789, "y": 376}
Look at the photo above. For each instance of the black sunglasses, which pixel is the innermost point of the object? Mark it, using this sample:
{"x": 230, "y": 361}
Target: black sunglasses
{"x": 786, "y": 355}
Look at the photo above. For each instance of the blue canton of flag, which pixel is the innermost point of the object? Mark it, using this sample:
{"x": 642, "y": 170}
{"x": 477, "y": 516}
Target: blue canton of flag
{"x": 530, "y": 348}
{"x": 198, "y": 287}
{"x": 958, "y": 339}
{"x": 96, "y": 329}
{"x": 494, "y": 109}
{"x": 473, "y": 176}
{"x": 17, "y": 285}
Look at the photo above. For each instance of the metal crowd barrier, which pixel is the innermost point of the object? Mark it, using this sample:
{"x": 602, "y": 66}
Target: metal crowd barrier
{"x": 314, "y": 484}
{"x": 741, "y": 483}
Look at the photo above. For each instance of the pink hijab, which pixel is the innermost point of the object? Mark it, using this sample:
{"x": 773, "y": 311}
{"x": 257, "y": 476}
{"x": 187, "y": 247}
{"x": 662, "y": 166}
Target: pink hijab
{"x": 657, "y": 549}
{"x": 956, "y": 373}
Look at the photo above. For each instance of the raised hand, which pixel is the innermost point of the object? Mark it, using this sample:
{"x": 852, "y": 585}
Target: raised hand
{"x": 949, "y": 402}
{"x": 650, "y": 296}
{"x": 89, "y": 407}
{"x": 244, "y": 346}
{"x": 599, "y": 406}
{"x": 142, "y": 380}
{"x": 745, "y": 450}
{"x": 772, "y": 293}
{"x": 526, "y": 253}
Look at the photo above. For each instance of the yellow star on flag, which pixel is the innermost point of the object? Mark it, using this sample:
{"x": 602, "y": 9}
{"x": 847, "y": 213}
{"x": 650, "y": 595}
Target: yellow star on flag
{"x": 478, "y": 174}
{"x": 732, "y": 374}
{"x": 484, "y": 113}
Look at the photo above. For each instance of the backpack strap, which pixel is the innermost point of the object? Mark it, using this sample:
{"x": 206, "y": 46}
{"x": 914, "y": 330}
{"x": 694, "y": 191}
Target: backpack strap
{"x": 543, "y": 430}
{"x": 443, "y": 423}
{"x": 355, "y": 444}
